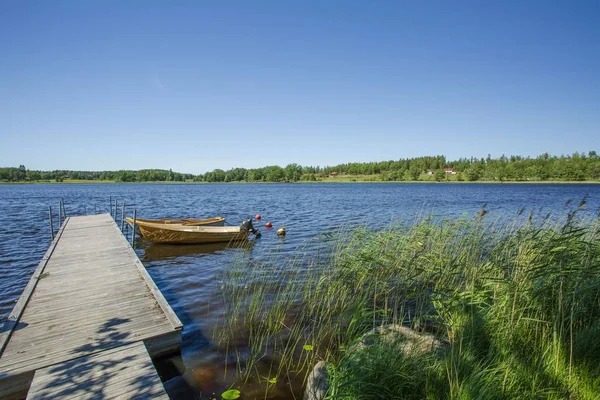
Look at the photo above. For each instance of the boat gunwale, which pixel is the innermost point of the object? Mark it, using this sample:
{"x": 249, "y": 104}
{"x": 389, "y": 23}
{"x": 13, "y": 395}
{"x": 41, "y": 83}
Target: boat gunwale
{"x": 177, "y": 221}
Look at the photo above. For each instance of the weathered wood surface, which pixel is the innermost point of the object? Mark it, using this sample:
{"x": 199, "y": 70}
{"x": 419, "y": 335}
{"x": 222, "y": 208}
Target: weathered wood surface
{"x": 89, "y": 294}
{"x": 122, "y": 373}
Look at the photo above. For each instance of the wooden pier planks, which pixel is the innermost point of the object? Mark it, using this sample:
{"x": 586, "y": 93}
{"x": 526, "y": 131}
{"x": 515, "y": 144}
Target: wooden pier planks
{"x": 122, "y": 373}
{"x": 89, "y": 294}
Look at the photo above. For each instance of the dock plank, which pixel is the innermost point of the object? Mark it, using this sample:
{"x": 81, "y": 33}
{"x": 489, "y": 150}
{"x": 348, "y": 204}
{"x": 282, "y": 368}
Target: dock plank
{"x": 89, "y": 297}
{"x": 107, "y": 375}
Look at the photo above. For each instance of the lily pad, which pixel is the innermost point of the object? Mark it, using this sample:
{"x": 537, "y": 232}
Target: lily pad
{"x": 230, "y": 394}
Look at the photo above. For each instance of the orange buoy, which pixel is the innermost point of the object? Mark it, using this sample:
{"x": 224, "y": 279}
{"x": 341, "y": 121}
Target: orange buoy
{"x": 268, "y": 225}
{"x": 257, "y": 216}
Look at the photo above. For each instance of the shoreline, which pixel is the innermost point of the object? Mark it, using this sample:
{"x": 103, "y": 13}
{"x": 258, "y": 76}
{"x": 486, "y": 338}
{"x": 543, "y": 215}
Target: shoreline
{"x": 86, "y": 182}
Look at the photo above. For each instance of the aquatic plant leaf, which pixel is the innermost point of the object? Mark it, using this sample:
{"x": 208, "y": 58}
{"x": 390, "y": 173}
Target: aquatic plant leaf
{"x": 308, "y": 347}
{"x": 273, "y": 381}
{"x": 230, "y": 394}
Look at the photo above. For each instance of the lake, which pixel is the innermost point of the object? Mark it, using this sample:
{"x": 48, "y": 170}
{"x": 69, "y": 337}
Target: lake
{"x": 187, "y": 275}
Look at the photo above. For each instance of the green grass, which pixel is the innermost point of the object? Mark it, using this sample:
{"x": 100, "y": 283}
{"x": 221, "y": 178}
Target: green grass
{"x": 425, "y": 178}
{"x": 518, "y": 303}
{"x": 385, "y": 370}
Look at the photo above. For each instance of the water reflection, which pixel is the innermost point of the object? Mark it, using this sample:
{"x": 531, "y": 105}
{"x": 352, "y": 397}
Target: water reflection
{"x": 163, "y": 252}
{"x": 189, "y": 275}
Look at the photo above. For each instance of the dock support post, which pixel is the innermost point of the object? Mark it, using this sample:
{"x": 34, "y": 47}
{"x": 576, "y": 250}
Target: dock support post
{"x": 59, "y": 214}
{"x": 51, "y": 224}
{"x": 123, "y": 217}
{"x": 133, "y": 229}
{"x": 110, "y": 205}
{"x": 62, "y": 204}
{"x": 116, "y": 211}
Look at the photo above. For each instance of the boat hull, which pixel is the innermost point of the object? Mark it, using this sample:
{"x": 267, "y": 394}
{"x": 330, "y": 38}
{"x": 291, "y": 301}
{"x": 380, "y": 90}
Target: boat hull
{"x": 180, "y": 234}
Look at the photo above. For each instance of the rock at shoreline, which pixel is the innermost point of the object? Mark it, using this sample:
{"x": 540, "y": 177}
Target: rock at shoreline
{"x": 316, "y": 385}
{"x": 415, "y": 341}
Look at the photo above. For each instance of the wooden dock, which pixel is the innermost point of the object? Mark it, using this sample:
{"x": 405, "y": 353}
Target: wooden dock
{"x": 88, "y": 321}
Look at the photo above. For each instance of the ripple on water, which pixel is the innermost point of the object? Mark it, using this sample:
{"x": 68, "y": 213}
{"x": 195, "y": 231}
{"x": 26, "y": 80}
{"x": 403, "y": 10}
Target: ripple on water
{"x": 187, "y": 275}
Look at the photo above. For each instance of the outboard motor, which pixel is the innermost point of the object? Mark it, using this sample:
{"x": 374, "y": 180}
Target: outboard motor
{"x": 247, "y": 225}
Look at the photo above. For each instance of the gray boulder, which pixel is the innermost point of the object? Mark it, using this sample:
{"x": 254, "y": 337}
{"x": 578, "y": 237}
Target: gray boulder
{"x": 316, "y": 385}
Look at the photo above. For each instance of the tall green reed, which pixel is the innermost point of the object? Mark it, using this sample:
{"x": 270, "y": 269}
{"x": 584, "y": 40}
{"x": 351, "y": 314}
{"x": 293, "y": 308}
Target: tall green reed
{"x": 517, "y": 303}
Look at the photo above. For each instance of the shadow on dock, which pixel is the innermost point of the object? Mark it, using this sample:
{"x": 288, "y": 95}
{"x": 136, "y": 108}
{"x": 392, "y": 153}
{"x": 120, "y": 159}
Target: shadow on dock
{"x": 112, "y": 368}
{"x": 94, "y": 373}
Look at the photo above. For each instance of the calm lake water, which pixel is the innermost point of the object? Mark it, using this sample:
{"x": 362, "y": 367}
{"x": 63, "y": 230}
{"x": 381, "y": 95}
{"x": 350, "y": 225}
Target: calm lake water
{"x": 186, "y": 275}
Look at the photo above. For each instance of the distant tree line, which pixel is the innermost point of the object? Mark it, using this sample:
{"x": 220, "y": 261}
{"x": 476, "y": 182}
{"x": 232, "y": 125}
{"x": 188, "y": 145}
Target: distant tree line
{"x": 144, "y": 175}
{"x": 574, "y": 167}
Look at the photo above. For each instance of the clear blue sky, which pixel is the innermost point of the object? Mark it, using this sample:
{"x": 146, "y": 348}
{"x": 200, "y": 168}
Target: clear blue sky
{"x": 193, "y": 85}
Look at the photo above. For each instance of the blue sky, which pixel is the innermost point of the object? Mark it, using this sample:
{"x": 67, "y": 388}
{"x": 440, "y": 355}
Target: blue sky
{"x": 194, "y": 86}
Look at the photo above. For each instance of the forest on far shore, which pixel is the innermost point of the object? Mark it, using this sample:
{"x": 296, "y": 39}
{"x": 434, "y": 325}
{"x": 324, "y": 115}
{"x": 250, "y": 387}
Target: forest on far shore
{"x": 573, "y": 167}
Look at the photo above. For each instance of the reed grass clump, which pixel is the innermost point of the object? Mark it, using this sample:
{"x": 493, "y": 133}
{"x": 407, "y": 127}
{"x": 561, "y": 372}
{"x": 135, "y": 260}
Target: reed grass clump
{"x": 517, "y": 304}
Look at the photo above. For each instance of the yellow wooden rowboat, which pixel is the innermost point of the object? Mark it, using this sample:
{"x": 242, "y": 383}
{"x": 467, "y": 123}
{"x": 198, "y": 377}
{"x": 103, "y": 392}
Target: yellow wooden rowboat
{"x": 215, "y": 221}
{"x": 189, "y": 234}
